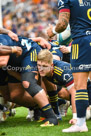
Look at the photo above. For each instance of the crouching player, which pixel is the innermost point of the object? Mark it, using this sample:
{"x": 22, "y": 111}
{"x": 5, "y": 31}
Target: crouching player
{"x": 57, "y": 72}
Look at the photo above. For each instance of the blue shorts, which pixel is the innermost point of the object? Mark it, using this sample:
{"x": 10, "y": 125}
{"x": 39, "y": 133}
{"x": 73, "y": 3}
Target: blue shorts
{"x": 81, "y": 54}
{"x": 5, "y": 78}
{"x": 12, "y": 79}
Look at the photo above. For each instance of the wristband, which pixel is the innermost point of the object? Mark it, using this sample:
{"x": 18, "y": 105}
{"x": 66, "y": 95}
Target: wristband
{"x": 14, "y": 49}
{"x": 69, "y": 48}
{"x": 74, "y": 115}
{"x": 53, "y": 30}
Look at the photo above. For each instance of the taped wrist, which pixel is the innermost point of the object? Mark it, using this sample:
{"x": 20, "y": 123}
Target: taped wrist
{"x": 14, "y": 49}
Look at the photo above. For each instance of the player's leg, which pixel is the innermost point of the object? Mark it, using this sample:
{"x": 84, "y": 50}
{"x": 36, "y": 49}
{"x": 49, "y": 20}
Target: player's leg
{"x": 19, "y": 95}
{"x": 30, "y": 84}
{"x": 81, "y": 98}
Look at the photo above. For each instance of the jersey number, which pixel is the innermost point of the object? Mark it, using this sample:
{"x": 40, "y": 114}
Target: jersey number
{"x": 25, "y": 43}
{"x": 89, "y": 13}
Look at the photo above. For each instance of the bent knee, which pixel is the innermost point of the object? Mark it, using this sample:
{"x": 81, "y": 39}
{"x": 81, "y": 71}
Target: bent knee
{"x": 25, "y": 84}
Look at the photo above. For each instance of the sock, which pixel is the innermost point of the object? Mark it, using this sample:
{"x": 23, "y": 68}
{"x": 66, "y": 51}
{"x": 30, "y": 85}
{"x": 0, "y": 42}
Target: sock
{"x": 80, "y": 121}
{"x": 61, "y": 101}
{"x": 48, "y": 111}
{"x": 53, "y": 95}
{"x": 49, "y": 114}
{"x": 89, "y": 91}
{"x": 81, "y": 105}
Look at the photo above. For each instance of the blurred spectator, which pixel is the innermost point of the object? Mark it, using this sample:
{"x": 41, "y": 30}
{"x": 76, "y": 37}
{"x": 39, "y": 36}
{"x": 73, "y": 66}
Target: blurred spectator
{"x": 29, "y": 18}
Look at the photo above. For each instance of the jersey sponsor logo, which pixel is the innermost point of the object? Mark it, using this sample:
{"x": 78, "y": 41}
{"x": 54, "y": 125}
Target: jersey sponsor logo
{"x": 27, "y": 67}
{"x": 67, "y": 77}
{"x": 55, "y": 81}
{"x": 83, "y": 66}
{"x": 88, "y": 32}
{"x": 84, "y": 2}
{"x": 81, "y": 2}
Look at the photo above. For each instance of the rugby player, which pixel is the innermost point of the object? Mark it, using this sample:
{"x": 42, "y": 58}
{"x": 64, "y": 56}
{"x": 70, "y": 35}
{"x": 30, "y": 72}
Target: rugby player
{"x": 78, "y": 14}
{"x": 57, "y": 72}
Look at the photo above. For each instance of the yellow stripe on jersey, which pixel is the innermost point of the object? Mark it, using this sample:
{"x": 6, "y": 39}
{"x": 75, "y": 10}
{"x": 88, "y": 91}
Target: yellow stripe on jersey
{"x": 53, "y": 52}
{"x": 58, "y": 68}
{"x": 75, "y": 51}
{"x": 57, "y": 73}
{"x": 33, "y": 55}
{"x": 55, "y": 42}
{"x": 72, "y": 51}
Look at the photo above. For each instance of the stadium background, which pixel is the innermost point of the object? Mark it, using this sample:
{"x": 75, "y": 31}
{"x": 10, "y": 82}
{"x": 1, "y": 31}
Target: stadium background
{"x": 28, "y": 18}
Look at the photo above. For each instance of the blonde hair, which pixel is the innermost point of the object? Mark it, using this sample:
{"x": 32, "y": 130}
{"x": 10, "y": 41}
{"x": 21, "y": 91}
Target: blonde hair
{"x": 45, "y": 55}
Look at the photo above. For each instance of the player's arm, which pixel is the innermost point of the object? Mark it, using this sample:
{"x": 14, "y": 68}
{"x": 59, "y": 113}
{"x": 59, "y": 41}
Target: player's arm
{"x": 10, "y": 33}
{"x": 6, "y": 50}
{"x": 61, "y": 25}
{"x": 42, "y": 42}
{"x": 4, "y": 60}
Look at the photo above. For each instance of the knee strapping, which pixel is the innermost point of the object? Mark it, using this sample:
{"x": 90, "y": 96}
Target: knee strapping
{"x": 33, "y": 88}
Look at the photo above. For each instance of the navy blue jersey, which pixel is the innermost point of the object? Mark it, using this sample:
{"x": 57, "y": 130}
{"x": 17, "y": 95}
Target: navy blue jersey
{"x": 25, "y": 43}
{"x": 55, "y": 48}
{"x": 54, "y": 45}
{"x": 62, "y": 74}
{"x": 28, "y": 59}
{"x": 80, "y": 19}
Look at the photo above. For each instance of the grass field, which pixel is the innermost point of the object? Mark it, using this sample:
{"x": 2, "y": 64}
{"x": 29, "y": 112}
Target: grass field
{"x": 19, "y": 126}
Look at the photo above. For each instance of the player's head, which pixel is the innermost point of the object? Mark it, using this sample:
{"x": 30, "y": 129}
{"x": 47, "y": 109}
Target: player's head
{"x": 45, "y": 62}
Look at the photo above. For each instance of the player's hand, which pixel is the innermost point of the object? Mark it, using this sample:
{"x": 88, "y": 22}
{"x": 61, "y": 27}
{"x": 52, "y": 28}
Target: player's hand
{"x": 73, "y": 121}
{"x": 64, "y": 49}
{"x": 45, "y": 44}
{"x": 13, "y": 35}
{"x": 49, "y": 31}
{"x": 19, "y": 51}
